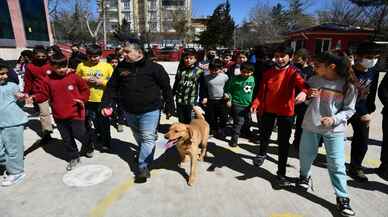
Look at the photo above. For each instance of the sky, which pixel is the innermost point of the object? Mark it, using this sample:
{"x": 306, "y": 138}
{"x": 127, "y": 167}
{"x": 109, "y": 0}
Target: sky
{"x": 241, "y": 8}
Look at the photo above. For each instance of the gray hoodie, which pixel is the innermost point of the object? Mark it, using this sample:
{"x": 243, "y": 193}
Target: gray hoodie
{"x": 332, "y": 102}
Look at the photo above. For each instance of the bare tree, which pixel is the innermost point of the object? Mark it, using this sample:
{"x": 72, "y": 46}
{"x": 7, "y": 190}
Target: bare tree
{"x": 261, "y": 26}
{"x": 343, "y": 12}
{"x": 181, "y": 24}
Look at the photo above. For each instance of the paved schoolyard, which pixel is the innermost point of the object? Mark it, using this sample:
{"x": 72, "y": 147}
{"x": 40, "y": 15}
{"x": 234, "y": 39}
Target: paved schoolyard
{"x": 228, "y": 184}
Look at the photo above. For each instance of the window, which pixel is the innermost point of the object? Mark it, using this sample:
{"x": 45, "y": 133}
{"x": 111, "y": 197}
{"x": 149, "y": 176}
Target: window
{"x": 127, "y": 16}
{"x": 168, "y": 15}
{"x": 299, "y": 44}
{"x": 322, "y": 45}
{"x": 167, "y": 27}
{"x": 6, "y": 31}
{"x": 34, "y": 19}
{"x": 152, "y": 4}
{"x": 153, "y": 26}
{"x": 173, "y": 2}
{"x": 153, "y": 15}
{"x": 127, "y": 4}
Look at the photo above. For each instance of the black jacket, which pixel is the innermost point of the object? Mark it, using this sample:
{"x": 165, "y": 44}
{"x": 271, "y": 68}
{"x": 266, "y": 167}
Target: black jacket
{"x": 137, "y": 87}
{"x": 13, "y": 76}
{"x": 75, "y": 59}
{"x": 383, "y": 93}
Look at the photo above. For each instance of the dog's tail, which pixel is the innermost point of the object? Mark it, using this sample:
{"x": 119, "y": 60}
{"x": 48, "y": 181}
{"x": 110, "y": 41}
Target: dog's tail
{"x": 199, "y": 112}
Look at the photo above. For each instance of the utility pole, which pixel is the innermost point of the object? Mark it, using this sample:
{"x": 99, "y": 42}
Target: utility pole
{"x": 104, "y": 7}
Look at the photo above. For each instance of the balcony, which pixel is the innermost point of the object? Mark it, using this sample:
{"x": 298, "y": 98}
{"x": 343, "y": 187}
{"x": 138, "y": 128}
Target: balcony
{"x": 113, "y": 20}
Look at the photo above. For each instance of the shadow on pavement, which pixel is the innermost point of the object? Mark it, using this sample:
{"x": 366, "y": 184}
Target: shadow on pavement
{"x": 170, "y": 160}
{"x": 35, "y": 126}
{"x": 370, "y": 141}
{"x": 226, "y": 158}
{"x": 128, "y": 152}
{"x": 370, "y": 186}
{"x": 254, "y": 149}
{"x": 54, "y": 147}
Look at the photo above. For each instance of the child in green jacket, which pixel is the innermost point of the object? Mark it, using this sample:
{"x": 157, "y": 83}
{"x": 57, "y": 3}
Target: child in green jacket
{"x": 239, "y": 91}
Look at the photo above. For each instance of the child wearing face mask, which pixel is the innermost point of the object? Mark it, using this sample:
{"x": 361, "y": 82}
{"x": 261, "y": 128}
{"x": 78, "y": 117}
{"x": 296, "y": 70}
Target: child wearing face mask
{"x": 366, "y": 57}
{"x": 300, "y": 60}
{"x": 36, "y": 71}
{"x": 275, "y": 101}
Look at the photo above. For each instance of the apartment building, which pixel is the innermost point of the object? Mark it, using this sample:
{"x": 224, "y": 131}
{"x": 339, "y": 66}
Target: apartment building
{"x": 154, "y": 16}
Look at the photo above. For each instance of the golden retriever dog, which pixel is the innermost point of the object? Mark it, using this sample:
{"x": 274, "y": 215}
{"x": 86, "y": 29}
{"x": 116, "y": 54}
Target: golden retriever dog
{"x": 189, "y": 138}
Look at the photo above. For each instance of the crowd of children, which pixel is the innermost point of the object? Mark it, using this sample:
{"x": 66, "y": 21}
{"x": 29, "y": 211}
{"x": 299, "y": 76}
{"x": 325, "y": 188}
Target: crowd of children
{"x": 320, "y": 98}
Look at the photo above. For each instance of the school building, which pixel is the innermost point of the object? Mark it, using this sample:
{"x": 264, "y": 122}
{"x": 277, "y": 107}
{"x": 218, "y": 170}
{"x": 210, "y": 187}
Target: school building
{"x": 23, "y": 24}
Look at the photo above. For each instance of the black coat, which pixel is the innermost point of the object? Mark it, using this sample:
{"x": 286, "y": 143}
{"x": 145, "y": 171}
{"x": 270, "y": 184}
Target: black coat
{"x": 383, "y": 93}
{"x": 138, "y": 88}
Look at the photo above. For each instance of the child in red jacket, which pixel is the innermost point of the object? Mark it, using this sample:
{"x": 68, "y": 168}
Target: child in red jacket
{"x": 35, "y": 73}
{"x": 67, "y": 94}
{"x": 275, "y": 101}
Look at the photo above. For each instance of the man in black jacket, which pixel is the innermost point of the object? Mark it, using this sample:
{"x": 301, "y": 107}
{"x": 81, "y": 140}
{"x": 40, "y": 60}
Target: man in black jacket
{"x": 76, "y": 56}
{"x": 383, "y": 95}
{"x": 137, "y": 84}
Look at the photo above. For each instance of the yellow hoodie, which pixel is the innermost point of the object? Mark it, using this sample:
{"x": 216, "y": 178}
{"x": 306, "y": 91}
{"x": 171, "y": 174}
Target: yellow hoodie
{"x": 102, "y": 71}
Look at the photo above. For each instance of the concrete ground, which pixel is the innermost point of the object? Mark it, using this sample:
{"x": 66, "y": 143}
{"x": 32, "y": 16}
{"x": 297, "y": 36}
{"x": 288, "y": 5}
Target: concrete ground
{"x": 228, "y": 184}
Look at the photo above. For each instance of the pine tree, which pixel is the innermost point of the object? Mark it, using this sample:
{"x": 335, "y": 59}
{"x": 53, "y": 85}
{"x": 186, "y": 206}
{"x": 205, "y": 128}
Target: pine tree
{"x": 297, "y": 19}
{"x": 220, "y": 28}
{"x": 279, "y": 17}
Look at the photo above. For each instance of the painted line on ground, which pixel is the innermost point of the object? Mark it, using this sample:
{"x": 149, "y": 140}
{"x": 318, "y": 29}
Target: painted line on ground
{"x": 115, "y": 195}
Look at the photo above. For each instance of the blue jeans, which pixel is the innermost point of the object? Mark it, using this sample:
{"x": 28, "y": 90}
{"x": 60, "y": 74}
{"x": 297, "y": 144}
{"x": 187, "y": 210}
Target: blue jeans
{"x": 12, "y": 149}
{"x": 144, "y": 128}
{"x": 335, "y": 145}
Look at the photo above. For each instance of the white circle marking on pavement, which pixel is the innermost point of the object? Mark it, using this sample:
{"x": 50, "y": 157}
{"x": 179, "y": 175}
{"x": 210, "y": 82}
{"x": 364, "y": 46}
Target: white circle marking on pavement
{"x": 88, "y": 175}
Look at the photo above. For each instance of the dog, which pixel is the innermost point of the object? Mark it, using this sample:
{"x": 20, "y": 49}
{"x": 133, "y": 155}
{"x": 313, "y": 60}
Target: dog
{"x": 189, "y": 138}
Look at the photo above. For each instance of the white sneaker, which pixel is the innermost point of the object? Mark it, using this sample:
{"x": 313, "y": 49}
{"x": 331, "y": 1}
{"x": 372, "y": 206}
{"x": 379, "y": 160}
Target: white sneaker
{"x": 12, "y": 179}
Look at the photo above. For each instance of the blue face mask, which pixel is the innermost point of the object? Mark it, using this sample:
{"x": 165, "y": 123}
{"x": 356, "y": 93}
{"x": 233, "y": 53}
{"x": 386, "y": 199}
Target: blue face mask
{"x": 368, "y": 63}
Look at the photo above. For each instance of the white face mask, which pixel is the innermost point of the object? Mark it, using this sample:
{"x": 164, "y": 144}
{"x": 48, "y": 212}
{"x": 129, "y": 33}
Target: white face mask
{"x": 368, "y": 63}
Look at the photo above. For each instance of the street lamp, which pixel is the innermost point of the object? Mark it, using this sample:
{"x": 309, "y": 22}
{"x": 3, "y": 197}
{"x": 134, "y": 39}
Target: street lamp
{"x": 105, "y": 6}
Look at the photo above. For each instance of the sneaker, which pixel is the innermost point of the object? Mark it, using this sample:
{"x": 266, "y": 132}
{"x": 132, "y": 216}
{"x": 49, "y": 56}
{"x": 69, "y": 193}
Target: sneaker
{"x": 233, "y": 141}
{"x": 282, "y": 181}
{"x": 142, "y": 175}
{"x": 233, "y": 144}
{"x": 89, "y": 154}
{"x": 343, "y": 205}
{"x": 106, "y": 149}
{"x": 120, "y": 128}
{"x": 304, "y": 182}
{"x": 72, "y": 164}
{"x": 259, "y": 160}
{"x": 358, "y": 175}
{"x": 12, "y": 179}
